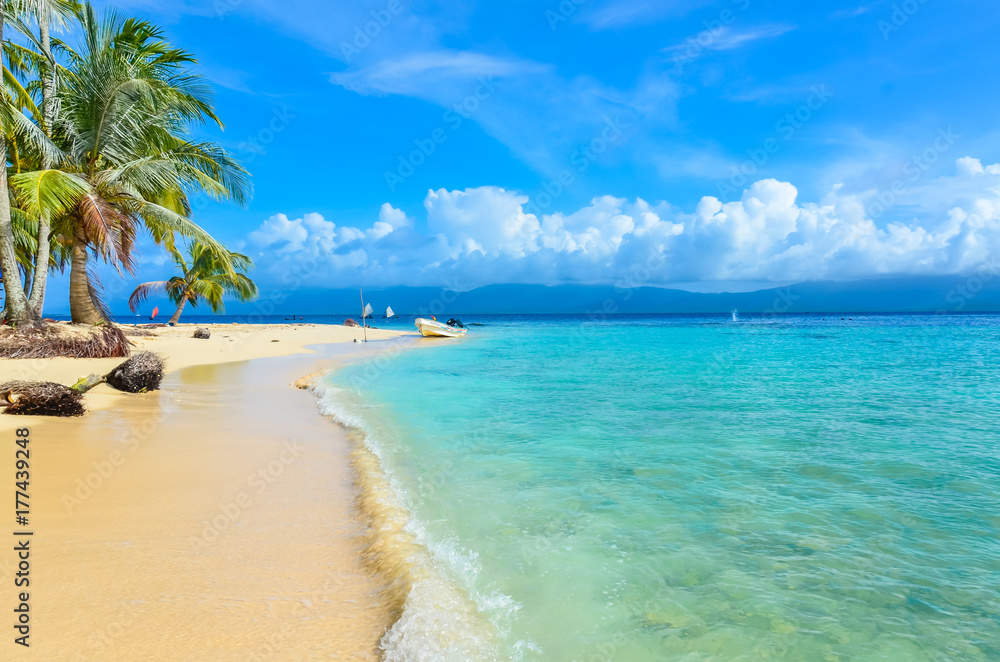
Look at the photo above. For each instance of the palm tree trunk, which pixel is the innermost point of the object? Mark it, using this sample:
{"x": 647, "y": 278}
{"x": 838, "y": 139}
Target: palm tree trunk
{"x": 37, "y": 298}
{"x": 81, "y": 307}
{"x": 180, "y": 309}
{"x": 49, "y": 81}
{"x": 16, "y": 310}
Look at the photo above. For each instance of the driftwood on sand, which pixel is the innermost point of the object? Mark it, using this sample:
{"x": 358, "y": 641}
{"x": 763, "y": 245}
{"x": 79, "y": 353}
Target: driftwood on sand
{"x": 350, "y": 322}
{"x": 20, "y": 398}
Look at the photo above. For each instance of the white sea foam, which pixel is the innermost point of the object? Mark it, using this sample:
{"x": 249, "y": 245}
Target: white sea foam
{"x": 444, "y": 616}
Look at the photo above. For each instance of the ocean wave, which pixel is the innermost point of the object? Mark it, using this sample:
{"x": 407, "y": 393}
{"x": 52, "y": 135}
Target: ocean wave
{"x": 436, "y": 613}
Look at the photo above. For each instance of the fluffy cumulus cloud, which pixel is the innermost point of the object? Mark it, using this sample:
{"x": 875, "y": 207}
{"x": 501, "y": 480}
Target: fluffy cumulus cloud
{"x": 488, "y": 235}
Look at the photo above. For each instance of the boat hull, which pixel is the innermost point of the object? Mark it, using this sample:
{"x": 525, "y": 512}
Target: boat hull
{"x": 433, "y": 329}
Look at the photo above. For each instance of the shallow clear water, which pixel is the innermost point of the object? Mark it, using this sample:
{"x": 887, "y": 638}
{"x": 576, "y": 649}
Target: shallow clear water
{"x": 695, "y": 488}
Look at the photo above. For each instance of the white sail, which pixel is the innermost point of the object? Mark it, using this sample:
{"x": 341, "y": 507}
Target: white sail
{"x": 368, "y": 310}
{"x": 389, "y": 313}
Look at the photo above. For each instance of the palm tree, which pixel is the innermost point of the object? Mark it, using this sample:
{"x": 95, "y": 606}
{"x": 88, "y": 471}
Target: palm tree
{"x": 127, "y": 107}
{"x": 207, "y": 277}
{"x": 47, "y": 14}
{"x": 124, "y": 158}
{"x": 127, "y": 101}
{"x": 16, "y": 309}
{"x": 14, "y": 99}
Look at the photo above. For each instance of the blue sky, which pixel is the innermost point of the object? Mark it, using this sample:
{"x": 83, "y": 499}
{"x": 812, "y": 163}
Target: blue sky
{"x": 725, "y": 144}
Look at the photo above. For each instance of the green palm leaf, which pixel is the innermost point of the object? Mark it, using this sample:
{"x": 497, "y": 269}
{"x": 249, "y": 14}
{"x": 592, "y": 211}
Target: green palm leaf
{"x": 51, "y": 192}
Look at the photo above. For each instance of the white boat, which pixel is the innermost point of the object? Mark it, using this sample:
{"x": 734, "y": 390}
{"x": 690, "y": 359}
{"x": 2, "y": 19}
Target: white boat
{"x": 433, "y": 328}
{"x": 388, "y": 313}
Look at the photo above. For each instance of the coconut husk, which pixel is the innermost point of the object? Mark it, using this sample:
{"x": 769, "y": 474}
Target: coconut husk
{"x": 140, "y": 374}
{"x": 73, "y": 341}
{"x": 20, "y": 398}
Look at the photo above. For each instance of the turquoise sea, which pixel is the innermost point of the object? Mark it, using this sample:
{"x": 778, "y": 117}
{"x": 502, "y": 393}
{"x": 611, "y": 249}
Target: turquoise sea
{"x": 691, "y": 488}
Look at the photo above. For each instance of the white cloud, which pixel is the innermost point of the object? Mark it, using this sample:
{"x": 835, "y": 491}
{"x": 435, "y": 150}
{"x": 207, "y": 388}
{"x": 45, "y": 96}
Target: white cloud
{"x": 730, "y": 39}
{"x": 395, "y": 218}
{"x": 485, "y": 235}
{"x": 727, "y": 39}
{"x": 414, "y": 74}
{"x": 970, "y": 166}
{"x": 541, "y": 115}
{"x": 286, "y": 236}
{"x": 487, "y": 220}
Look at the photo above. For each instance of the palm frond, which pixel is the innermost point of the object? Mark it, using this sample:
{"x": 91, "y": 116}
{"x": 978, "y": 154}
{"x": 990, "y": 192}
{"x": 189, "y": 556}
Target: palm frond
{"x": 49, "y": 192}
{"x": 109, "y": 231}
{"x": 174, "y": 288}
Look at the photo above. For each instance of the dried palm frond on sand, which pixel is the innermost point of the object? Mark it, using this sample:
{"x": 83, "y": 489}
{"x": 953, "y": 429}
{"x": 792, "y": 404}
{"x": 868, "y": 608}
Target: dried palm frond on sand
{"x": 53, "y": 340}
{"x": 21, "y": 398}
{"x": 140, "y": 374}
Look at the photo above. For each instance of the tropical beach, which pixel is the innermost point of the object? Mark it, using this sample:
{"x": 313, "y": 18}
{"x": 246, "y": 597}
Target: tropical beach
{"x": 218, "y": 512}
{"x": 590, "y": 331}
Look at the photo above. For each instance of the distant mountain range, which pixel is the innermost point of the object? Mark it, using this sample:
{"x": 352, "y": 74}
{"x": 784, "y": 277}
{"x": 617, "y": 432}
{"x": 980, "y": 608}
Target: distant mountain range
{"x": 912, "y": 294}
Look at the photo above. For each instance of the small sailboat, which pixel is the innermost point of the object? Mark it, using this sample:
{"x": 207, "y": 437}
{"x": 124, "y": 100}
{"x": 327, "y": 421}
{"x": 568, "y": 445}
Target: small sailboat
{"x": 431, "y": 328}
{"x": 366, "y": 310}
{"x": 156, "y": 311}
{"x": 388, "y": 312}
{"x": 736, "y": 316}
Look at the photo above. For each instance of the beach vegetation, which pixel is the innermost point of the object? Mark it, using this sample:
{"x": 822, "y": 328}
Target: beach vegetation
{"x": 47, "y": 16}
{"x": 101, "y": 148}
{"x": 207, "y": 275}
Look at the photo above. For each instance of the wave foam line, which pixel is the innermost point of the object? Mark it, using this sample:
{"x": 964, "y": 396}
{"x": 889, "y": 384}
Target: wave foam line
{"x": 432, "y": 618}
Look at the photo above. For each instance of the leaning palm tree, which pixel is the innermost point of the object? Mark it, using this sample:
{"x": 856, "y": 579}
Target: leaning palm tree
{"x": 127, "y": 103}
{"x": 208, "y": 276}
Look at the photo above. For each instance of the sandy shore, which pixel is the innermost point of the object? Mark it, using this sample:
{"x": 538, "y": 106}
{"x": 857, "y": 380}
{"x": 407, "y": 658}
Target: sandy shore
{"x": 213, "y": 520}
{"x": 229, "y": 343}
